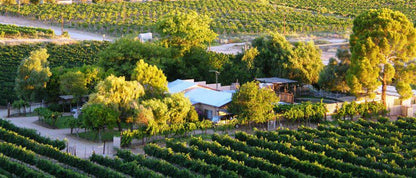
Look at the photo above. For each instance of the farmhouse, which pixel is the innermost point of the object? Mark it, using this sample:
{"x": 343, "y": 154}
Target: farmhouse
{"x": 207, "y": 100}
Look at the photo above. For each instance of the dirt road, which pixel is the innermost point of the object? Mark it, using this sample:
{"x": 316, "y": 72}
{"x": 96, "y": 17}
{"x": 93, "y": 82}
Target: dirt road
{"x": 73, "y": 33}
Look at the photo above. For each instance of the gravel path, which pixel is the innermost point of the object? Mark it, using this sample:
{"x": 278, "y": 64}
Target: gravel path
{"x": 73, "y": 33}
{"x": 80, "y": 147}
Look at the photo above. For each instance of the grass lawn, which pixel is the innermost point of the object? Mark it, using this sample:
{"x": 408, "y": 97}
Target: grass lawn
{"x": 106, "y": 135}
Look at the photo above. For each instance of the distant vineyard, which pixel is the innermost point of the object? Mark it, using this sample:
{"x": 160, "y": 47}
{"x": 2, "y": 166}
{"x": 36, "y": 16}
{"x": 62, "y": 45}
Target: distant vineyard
{"x": 69, "y": 55}
{"x": 352, "y": 7}
{"x": 229, "y": 16}
{"x": 13, "y": 31}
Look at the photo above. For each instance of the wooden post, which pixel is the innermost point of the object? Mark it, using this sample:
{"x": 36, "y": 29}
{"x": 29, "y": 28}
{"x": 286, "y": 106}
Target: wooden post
{"x": 104, "y": 148}
{"x": 8, "y": 109}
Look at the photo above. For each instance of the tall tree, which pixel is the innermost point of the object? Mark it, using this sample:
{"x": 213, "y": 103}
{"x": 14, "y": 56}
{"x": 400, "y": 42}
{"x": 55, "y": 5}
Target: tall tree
{"x": 98, "y": 116}
{"x": 121, "y": 57}
{"x": 32, "y": 75}
{"x": 151, "y": 77}
{"x": 196, "y": 64}
{"x": 332, "y": 77}
{"x": 118, "y": 94}
{"x": 157, "y": 121}
{"x": 184, "y": 30}
{"x": 306, "y": 63}
{"x": 274, "y": 56}
{"x": 382, "y": 40}
{"x": 279, "y": 58}
{"x": 75, "y": 84}
{"x": 179, "y": 106}
{"x": 253, "y": 104}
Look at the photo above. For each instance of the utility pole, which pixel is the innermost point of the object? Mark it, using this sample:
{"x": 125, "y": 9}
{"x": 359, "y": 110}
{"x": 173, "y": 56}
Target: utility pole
{"x": 216, "y": 77}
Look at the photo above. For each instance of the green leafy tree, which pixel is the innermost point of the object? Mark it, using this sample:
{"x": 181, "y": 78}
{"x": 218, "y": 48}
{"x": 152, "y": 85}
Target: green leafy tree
{"x": 75, "y": 84}
{"x": 332, "y": 77}
{"x": 277, "y": 57}
{"x": 274, "y": 56}
{"x": 53, "y": 89}
{"x": 98, "y": 117}
{"x": 158, "y": 119}
{"x": 179, "y": 108}
{"x": 19, "y": 104}
{"x": 306, "y": 63}
{"x": 196, "y": 64}
{"x": 121, "y": 57}
{"x": 184, "y": 30}
{"x": 91, "y": 75}
{"x": 249, "y": 56}
{"x": 151, "y": 77}
{"x": 118, "y": 94}
{"x": 252, "y": 104}
{"x": 32, "y": 75}
{"x": 380, "y": 40}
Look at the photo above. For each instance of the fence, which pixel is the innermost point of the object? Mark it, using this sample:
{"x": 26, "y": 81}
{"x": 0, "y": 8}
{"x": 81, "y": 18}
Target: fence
{"x": 14, "y": 112}
{"x": 395, "y": 110}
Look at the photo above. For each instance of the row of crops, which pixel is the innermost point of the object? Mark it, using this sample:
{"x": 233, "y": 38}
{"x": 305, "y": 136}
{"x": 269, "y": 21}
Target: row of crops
{"x": 352, "y": 7}
{"x": 24, "y": 153}
{"x": 335, "y": 149}
{"x": 13, "y": 31}
{"x": 68, "y": 55}
{"x": 229, "y": 17}
{"x": 338, "y": 149}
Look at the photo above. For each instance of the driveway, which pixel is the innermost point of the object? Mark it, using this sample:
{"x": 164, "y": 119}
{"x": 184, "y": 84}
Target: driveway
{"x": 76, "y": 146}
{"x": 73, "y": 33}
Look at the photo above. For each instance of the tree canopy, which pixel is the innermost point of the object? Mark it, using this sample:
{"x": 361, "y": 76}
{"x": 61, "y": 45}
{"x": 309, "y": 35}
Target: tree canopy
{"x": 99, "y": 116}
{"x": 121, "y": 57}
{"x": 151, "y": 77}
{"x": 253, "y": 104}
{"x": 74, "y": 83}
{"x": 279, "y": 58}
{"x": 184, "y": 30}
{"x": 382, "y": 41}
{"x": 32, "y": 75}
{"x": 306, "y": 63}
{"x": 332, "y": 77}
{"x": 118, "y": 94}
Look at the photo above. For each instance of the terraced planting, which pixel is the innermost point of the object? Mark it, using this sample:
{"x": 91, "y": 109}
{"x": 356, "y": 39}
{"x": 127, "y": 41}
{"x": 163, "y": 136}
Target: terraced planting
{"x": 13, "y": 31}
{"x": 338, "y": 149}
{"x": 24, "y": 153}
{"x": 229, "y": 16}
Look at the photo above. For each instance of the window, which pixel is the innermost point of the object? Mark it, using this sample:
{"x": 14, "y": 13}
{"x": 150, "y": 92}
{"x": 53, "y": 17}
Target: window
{"x": 208, "y": 114}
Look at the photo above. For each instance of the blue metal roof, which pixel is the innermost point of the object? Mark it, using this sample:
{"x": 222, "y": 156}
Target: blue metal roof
{"x": 209, "y": 97}
{"x": 179, "y": 85}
